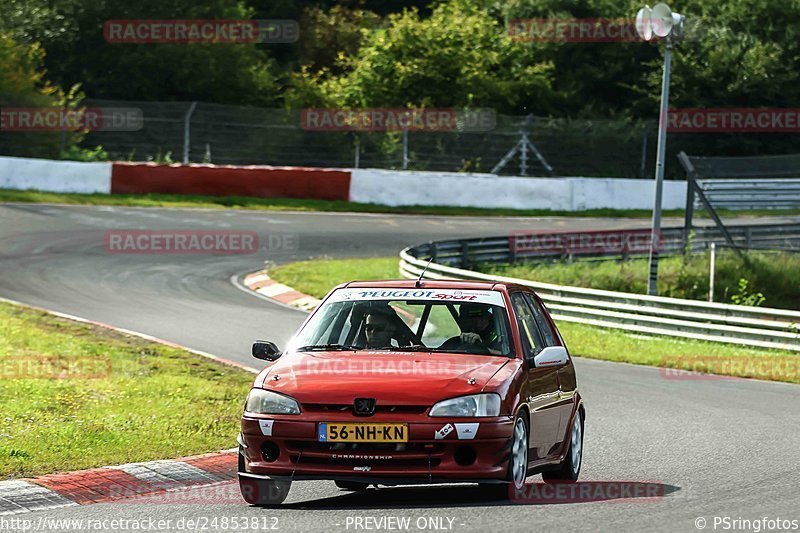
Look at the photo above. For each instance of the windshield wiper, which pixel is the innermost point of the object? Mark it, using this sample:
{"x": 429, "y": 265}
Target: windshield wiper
{"x": 327, "y": 348}
{"x": 412, "y": 348}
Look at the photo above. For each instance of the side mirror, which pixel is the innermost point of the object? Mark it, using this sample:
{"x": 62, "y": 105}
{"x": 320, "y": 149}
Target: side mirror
{"x": 551, "y": 356}
{"x": 266, "y": 350}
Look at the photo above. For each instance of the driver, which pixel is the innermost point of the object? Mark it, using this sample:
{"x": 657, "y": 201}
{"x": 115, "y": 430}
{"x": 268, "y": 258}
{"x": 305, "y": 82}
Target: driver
{"x": 379, "y": 329}
{"x": 477, "y": 329}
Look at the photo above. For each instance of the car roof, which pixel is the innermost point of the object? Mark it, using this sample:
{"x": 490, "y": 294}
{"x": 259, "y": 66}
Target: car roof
{"x": 433, "y": 284}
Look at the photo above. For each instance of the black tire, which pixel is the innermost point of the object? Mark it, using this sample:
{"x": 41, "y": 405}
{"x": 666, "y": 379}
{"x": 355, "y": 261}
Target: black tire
{"x": 354, "y": 486}
{"x": 516, "y": 473}
{"x": 262, "y": 492}
{"x": 570, "y": 467}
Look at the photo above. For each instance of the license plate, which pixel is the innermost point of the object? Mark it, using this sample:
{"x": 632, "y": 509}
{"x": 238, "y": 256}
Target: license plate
{"x": 330, "y": 432}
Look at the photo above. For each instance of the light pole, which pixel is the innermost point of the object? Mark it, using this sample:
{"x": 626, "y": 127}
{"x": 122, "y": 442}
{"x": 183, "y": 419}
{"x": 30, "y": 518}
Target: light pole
{"x": 660, "y": 22}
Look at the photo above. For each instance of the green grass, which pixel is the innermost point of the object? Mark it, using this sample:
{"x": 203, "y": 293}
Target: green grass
{"x": 293, "y": 204}
{"x": 317, "y": 277}
{"x": 772, "y": 274}
{"x": 140, "y": 400}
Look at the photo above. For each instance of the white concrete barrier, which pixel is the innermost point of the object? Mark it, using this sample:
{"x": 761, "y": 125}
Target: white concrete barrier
{"x": 54, "y": 176}
{"x": 392, "y": 187}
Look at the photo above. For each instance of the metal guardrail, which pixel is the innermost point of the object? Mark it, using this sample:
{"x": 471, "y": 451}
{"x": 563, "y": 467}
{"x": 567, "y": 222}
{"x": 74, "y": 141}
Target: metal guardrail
{"x": 656, "y": 315}
{"x": 750, "y": 182}
{"x": 751, "y": 194}
{"x": 466, "y": 252}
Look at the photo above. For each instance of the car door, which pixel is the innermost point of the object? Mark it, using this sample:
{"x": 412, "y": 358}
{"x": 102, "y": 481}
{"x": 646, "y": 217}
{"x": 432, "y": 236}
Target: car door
{"x": 566, "y": 373}
{"x": 540, "y": 390}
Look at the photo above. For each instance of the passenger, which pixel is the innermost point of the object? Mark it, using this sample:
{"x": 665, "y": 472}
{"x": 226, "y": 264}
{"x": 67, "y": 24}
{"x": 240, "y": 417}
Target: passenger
{"x": 477, "y": 330}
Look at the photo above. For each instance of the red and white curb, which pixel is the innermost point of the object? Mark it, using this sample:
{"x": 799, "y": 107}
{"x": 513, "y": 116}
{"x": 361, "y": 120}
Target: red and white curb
{"x": 261, "y": 283}
{"x": 114, "y": 483}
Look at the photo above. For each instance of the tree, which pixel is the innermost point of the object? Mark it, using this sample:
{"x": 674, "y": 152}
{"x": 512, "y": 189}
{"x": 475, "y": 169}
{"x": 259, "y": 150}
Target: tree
{"x": 458, "y": 56}
{"x": 24, "y": 85}
{"x": 72, "y": 33}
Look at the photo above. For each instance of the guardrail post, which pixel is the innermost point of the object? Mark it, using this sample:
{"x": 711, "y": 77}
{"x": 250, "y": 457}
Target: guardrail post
{"x": 187, "y": 121}
{"x": 464, "y": 254}
{"x": 690, "y": 188}
{"x": 512, "y": 249}
{"x": 405, "y": 148}
{"x": 713, "y": 261}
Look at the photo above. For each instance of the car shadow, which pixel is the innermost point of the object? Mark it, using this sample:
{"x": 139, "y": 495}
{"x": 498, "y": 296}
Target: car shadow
{"x": 454, "y": 496}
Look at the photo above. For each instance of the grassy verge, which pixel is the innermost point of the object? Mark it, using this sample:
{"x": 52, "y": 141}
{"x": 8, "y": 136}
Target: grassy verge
{"x": 317, "y": 277}
{"x": 773, "y": 275}
{"x": 76, "y": 396}
{"x": 293, "y": 204}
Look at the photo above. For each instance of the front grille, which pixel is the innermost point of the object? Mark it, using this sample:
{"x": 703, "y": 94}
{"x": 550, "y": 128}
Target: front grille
{"x": 365, "y": 447}
{"x": 348, "y": 408}
{"x": 404, "y": 462}
{"x": 401, "y": 454}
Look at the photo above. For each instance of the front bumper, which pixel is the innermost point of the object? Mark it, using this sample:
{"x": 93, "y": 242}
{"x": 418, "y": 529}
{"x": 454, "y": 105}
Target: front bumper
{"x": 461, "y": 455}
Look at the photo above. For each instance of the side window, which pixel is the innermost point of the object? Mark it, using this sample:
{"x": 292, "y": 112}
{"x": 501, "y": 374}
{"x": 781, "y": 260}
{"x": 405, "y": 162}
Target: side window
{"x": 532, "y": 342}
{"x": 544, "y": 326}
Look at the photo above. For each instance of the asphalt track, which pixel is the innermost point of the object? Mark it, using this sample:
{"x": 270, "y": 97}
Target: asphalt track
{"x": 715, "y": 448}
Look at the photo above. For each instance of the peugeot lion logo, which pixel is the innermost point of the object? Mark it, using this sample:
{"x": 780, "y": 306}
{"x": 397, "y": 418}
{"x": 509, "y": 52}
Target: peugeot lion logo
{"x": 364, "y": 406}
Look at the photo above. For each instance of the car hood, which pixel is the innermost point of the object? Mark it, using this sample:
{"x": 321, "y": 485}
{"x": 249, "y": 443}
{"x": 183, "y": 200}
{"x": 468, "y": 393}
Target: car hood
{"x": 398, "y": 378}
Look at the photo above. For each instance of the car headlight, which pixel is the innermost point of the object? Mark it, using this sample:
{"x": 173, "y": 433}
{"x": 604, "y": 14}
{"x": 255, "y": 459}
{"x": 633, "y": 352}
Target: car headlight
{"x": 475, "y": 405}
{"x": 271, "y": 403}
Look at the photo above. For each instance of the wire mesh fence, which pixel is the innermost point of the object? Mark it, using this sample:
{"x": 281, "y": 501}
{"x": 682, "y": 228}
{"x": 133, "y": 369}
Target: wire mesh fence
{"x": 200, "y": 132}
{"x": 223, "y": 134}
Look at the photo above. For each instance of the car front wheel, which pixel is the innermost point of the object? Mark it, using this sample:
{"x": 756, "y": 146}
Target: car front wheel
{"x": 517, "y": 463}
{"x": 262, "y": 492}
{"x": 351, "y": 485}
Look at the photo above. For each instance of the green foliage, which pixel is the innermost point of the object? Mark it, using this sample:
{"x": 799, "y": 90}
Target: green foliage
{"x": 75, "y": 153}
{"x": 24, "y": 84}
{"x": 164, "y": 158}
{"x": 72, "y": 33}
{"x": 456, "y": 57}
{"x": 330, "y": 34}
{"x": 440, "y": 53}
{"x": 745, "y": 297}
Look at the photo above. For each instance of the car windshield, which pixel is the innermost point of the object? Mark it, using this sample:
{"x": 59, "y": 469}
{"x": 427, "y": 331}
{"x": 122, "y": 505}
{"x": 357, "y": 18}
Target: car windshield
{"x": 418, "y": 320}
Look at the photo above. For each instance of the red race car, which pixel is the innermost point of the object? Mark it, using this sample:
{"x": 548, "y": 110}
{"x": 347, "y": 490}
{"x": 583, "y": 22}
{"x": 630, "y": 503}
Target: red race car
{"x": 401, "y": 382}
